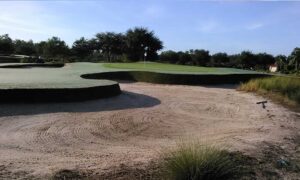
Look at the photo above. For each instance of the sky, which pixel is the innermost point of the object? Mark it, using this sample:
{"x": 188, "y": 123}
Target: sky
{"x": 217, "y": 26}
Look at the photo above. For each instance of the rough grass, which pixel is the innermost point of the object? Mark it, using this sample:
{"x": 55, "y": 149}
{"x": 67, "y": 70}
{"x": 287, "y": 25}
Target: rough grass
{"x": 284, "y": 87}
{"x": 195, "y": 162}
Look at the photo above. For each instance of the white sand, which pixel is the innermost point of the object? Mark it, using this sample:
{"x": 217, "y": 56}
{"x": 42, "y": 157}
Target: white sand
{"x": 39, "y": 139}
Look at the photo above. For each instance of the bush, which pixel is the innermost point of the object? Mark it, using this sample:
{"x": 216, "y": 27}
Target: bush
{"x": 196, "y": 162}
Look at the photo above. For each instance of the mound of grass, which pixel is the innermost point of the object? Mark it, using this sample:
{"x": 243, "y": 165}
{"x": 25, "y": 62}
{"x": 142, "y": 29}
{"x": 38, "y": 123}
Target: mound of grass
{"x": 196, "y": 162}
{"x": 281, "y": 86}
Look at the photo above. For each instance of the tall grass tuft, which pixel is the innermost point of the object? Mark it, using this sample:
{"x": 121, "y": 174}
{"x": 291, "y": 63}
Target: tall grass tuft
{"x": 196, "y": 162}
{"x": 286, "y": 87}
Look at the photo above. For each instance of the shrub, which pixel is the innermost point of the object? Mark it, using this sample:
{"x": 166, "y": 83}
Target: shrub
{"x": 196, "y": 162}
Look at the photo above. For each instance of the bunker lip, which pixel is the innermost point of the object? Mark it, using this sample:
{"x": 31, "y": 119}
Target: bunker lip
{"x": 59, "y": 94}
{"x": 30, "y": 65}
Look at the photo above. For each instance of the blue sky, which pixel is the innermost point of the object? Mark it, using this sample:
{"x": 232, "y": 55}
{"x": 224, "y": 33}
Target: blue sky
{"x": 217, "y": 26}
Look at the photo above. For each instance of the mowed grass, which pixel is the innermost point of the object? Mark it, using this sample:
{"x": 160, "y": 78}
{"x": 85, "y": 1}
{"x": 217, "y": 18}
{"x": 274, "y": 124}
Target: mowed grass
{"x": 69, "y": 75}
{"x": 173, "y": 68}
{"x": 285, "y": 87}
{"x": 64, "y": 77}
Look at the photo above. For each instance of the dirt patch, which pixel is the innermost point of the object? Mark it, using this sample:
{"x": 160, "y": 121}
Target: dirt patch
{"x": 123, "y": 134}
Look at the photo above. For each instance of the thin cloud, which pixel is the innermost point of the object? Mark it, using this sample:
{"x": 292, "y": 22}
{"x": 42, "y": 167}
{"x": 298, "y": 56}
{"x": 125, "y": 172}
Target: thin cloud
{"x": 30, "y": 18}
{"x": 154, "y": 11}
{"x": 254, "y": 26}
{"x": 208, "y": 27}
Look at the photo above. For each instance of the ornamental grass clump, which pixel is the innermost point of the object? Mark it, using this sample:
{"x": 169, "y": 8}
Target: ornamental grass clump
{"x": 196, "y": 162}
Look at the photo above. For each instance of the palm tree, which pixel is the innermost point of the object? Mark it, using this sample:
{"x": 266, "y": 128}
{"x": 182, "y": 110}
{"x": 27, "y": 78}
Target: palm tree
{"x": 281, "y": 62}
{"x": 295, "y": 58}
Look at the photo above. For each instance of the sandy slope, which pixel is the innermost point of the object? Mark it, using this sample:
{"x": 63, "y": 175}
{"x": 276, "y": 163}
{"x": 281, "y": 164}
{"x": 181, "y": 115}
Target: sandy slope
{"x": 38, "y": 139}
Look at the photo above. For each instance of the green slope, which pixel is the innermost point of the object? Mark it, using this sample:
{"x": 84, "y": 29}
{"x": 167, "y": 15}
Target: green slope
{"x": 172, "y": 68}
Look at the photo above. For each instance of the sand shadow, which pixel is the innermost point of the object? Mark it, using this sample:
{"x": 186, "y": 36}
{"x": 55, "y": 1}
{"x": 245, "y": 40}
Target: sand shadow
{"x": 126, "y": 100}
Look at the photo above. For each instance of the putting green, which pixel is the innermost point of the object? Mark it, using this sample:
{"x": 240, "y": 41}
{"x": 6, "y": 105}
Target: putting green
{"x": 38, "y": 77}
{"x": 42, "y": 84}
{"x": 80, "y": 81}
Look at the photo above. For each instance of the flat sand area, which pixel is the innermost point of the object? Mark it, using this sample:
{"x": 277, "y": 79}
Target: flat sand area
{"x": 37, "y": 140}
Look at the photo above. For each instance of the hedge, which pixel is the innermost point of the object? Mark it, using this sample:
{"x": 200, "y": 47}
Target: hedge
{"x": 183, "y": 79}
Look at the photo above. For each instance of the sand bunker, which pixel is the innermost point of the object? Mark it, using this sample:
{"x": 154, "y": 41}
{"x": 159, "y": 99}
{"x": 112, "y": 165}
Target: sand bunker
{"x": 37, "y": 140}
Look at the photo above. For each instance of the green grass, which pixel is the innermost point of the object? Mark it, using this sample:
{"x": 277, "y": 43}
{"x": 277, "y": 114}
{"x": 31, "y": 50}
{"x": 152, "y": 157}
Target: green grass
{"x": 172, "y": 68}
{"x": 195, "y": 162}
{"x": 69, "y": 75}
{"x": 281, "y": 86}
{"x": 65, "y": 77}
{"x": 44, "y": 84}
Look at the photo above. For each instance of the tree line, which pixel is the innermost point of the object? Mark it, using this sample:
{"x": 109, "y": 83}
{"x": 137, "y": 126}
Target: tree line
{"x": 106, "y": 46}
{"x": 137, "y": 44}
{"x": 243, "y": 60}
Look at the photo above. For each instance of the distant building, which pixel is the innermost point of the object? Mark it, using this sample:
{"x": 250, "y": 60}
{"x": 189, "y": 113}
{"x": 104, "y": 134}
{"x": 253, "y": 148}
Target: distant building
{"x": 273, "y": 68}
